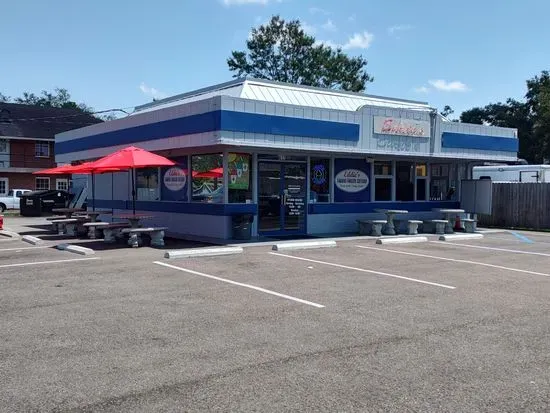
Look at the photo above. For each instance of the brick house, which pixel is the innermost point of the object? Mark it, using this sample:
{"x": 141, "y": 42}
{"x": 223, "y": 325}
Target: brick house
{"x": 27, "y": 144}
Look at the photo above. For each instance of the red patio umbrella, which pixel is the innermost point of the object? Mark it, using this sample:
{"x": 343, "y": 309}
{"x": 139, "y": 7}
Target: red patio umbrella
{"x": 132, "y": 158}
{"x": 212, "y": 173}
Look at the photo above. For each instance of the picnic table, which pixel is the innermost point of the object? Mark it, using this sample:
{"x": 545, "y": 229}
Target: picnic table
{"x": 94, "y": 214}
{"x": 449, "y": 213}
{"x": 389, "y": 228}
{"x": 68, "y": 212}
{"x": 134, "y": 219}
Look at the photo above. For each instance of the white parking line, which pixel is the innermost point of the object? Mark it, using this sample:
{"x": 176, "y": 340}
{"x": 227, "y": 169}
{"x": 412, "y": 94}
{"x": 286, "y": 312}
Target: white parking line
{"x": 24, "y": 248}
{"x": 23, "y": 264}
{"x": 252, "y": 287}
{"x": 542, "y": 254}
{"x": 364, "y": 270}
{"x": 434, "y": 257}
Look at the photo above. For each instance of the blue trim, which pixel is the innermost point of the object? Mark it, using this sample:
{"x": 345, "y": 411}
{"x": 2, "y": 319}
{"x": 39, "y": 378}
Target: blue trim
{"x": 180, "y": 207}
{"x": 289, "y": 126}
{"x": 369, "y": 207}
{"x": 481, "y": 142}
{"x": 215, "y": 121}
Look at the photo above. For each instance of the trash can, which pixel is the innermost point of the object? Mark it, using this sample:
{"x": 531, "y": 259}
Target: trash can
{"x": 34, "y": 204}
{"x": 241, "y": 225}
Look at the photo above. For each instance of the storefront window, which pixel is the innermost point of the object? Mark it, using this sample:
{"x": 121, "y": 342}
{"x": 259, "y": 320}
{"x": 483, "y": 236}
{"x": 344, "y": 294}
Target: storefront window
{"x": 439, "y": 183}
{"x": 383, "y": 175}
{"x": 240, "y": 178}
{"x": 175, "y": 181}
{"x": 147, "y": 184}
{"x": 404, "y": 186}
{"x": 421, "y": 181}
{"x": 319, "y": 183}
{"x": 207, "y": 177}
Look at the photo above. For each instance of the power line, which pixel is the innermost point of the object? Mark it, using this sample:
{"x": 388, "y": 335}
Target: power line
{"x": 47, "y": 119}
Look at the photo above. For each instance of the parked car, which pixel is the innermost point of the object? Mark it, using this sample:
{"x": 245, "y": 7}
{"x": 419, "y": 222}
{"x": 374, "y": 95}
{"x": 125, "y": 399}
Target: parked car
{"x": 11, "y": 200}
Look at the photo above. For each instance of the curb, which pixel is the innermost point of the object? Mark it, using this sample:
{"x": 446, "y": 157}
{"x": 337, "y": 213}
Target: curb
{"x": 303, "y": 245}
{"x": 75, "y": 249}
{"x": 32, "y": 240}
{"x": 202, "y": 252}
{"x": 9, "y": 234}
{"x": 457, "y": 237}
{"x": 401, "y": 240}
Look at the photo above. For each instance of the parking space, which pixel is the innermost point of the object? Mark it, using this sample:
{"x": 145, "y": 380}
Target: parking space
{"x": 437, "y": 326}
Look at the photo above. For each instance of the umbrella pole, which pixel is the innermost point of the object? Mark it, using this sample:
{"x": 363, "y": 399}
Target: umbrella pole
{"x": 133, "y": 191}
{"x": 93, "y": 192}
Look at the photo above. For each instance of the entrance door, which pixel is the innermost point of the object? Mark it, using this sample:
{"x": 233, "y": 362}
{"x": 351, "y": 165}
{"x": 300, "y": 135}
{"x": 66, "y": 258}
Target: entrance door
{"x": 282, "y": 198}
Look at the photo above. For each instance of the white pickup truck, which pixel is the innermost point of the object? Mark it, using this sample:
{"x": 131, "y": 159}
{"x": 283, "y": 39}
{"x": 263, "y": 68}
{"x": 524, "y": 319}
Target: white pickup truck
{"x": 11, "y": 200}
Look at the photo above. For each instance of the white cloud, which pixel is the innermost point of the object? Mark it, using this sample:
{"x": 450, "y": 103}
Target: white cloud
{"x": 318, "y": 10}
{"x": 352, "y": 17}
{"x": 422, "y": 89}
{"x": 308, "y": 28}
{"x": 329, "y": 26}
{"x": 151, "y": 91}
{"x": 444, "y": 86}
{"x": 245, "y": 2}
{"x": 359, "y": 41}
{"x": 394, "y": 30}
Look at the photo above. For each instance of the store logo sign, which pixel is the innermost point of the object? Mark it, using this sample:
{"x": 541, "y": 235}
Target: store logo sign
{"x": 351, "y": 180}
{"x": 175, "y": 179}
{"x": 402, "y": 127}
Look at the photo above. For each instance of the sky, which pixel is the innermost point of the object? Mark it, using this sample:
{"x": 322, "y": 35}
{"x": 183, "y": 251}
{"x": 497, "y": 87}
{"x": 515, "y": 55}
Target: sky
{"x": 120, "y": 54}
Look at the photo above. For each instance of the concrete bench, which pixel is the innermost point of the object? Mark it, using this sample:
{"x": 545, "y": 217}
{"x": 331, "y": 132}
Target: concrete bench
{"x": 156, "y": 234}
{"x": 438, "y": 226}
{"x": 412, "y": 226}
{"x": 469, "y": 225}
{"x": 65, "y": 226}
{"x": 94, "y": 228}
{"x": 371, "y": 227}
{"x": 111, "y": 230}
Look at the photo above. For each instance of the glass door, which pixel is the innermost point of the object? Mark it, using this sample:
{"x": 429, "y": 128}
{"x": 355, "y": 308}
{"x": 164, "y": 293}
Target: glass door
{"x": 282, "y": 198}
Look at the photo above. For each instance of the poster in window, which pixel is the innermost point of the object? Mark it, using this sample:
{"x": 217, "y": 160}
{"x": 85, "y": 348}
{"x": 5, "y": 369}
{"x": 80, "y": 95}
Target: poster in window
{"x": 351, "y": 180}
{"x": 174, "y": 181}
{"x": 239, "y": 170}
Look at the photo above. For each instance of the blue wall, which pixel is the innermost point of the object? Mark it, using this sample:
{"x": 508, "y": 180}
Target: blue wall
{"x": 481, "y": 142}
{"x": 369, "y": 207}
{"x": 215, "y": 121}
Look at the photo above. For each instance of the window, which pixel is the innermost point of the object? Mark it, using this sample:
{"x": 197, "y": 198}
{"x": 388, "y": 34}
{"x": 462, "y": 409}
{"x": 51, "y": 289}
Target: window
{"x": 147, "y": 184}
{"x": 62, "y": 184}
{"x": 3, "y": 185}
{"x": 240, "y": 178}
{"x": 319, "y": 180}
{"x": 42, "y": 150}
{"x": 439, "y": 183}
{"x": 404, "y": 186}
{"x": 42, "y": 184}
{"x": 4, "y": 146}
{"x": 421, "y": 181}
{"x": 207, "y": 177}
{"x": 383, "y": 175}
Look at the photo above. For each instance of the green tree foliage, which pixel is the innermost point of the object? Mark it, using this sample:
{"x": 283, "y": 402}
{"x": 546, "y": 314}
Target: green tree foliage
{"x": 60, "y": 98}
{"x": 531, "y": 118}
{"x": 280, "y": 50}
{"x": 447, "y": 111}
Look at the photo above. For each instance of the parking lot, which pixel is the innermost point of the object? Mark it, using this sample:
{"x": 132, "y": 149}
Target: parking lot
{"x": 436, "y": 326}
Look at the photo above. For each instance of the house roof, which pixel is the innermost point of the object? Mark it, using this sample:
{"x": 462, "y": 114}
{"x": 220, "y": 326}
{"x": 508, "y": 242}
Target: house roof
{"x": 278, "y": 92}
{"x": 29, "y": 121}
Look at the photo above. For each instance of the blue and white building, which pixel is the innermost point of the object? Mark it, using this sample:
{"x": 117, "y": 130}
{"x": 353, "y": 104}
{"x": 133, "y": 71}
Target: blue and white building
{"x": 301, "y": 160}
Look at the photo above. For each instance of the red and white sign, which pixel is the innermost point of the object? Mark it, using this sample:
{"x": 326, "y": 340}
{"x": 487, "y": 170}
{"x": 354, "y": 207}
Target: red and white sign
{"x": 175, "y": 179}
{"x": 402, "y": 127}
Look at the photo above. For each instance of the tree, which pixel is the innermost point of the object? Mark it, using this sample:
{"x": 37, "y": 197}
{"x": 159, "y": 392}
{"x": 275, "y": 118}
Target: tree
{"x": 280, "y": 50}
{"x": 60, "y": 98}
{"x": 447, "y": 111}
{"x": 4, "y": 98}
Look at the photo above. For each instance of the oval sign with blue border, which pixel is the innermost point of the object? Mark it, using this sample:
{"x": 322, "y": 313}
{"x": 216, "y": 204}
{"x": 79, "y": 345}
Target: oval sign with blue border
{"x": 351, "y": 180}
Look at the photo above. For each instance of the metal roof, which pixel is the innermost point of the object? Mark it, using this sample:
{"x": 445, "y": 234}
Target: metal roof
{"x": 277, "y": 92}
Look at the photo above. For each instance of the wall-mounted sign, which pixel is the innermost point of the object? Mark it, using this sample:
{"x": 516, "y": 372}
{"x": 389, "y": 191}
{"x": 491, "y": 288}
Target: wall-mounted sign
{"x": 351, "y": 180}
{"x": 175, "y": 179}
{"x": 239, "y": 171}
{"x": 319, "y": 174}
{"x": 402, "y": 127}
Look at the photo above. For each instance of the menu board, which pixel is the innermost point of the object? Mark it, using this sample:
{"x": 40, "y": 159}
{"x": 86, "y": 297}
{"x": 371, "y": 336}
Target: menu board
{"x": 239, "y": 171}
